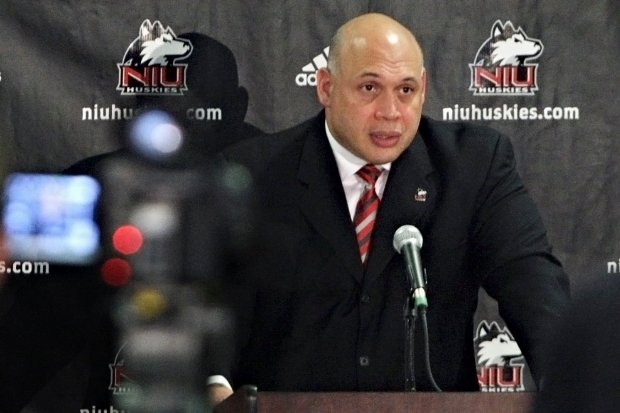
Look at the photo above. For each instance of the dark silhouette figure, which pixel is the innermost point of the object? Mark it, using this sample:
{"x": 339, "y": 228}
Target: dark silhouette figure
{"x": 584, "y": 356}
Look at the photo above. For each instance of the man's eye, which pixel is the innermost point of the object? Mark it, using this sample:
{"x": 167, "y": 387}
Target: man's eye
{"x": 407, "y": 90}
{"x": 369, "y": 88}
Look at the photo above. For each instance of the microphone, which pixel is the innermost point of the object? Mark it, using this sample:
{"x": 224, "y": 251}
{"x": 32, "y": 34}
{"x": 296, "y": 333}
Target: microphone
{"x": 408, "y": 242}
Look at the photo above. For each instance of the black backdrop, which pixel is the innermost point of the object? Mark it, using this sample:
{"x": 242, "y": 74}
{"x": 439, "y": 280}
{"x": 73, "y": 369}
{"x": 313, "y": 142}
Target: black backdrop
{"x": 59, "y": 80}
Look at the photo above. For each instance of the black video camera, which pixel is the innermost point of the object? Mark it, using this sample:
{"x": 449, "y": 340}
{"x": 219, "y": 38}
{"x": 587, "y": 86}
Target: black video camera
{"x": 166, "y": 226}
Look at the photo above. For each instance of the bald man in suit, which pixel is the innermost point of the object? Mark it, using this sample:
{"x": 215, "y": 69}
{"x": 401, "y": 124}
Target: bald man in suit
{"x": 323, "y": 309}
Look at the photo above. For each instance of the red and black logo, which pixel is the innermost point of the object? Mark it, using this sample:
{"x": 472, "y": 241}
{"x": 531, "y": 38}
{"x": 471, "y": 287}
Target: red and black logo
{"x": 503, "y": 64}
{"x": 120, "y": 383}
{"x": 150, "y": 65}
{"x": 497, "y": 353}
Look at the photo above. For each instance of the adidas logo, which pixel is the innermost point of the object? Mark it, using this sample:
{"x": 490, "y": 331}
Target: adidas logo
{"x": 307, "y": 77}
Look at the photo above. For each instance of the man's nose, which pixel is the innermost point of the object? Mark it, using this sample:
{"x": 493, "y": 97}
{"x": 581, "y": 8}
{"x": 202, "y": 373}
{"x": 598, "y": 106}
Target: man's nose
{"x": 387, "y": 106}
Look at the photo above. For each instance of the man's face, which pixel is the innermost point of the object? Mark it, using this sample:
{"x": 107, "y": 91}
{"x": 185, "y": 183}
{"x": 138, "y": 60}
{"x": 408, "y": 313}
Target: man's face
{"x": 373, "y": 102}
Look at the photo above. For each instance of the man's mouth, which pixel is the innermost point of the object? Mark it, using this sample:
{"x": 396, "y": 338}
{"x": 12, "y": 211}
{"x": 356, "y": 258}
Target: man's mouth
{"x": 384, "y": 139}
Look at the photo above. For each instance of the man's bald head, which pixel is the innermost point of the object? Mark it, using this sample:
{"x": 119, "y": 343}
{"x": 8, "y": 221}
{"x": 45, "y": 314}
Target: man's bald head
{"x": 373, "y": 88}
{"x": 373, "y": 28}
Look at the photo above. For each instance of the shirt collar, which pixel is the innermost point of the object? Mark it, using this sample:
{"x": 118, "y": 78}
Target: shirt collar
{"x": 348, "y": 163}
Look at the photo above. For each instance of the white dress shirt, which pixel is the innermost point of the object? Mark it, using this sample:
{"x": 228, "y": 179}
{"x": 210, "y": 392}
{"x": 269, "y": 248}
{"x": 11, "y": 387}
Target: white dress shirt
{"x": 348, "y": 165}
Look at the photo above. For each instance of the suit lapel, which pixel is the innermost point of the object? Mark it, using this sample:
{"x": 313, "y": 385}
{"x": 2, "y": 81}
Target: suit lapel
{"x": 409, "y": 195}
{"x": 323, "y": 201}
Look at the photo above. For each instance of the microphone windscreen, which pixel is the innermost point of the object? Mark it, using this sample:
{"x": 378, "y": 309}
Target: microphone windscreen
{"x": 406, "y": 234}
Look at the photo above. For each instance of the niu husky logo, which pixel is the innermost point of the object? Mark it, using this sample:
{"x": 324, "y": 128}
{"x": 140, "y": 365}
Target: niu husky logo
{"x": 149, "y": 66}
{"x": 119, "y": 381}
{"x": 496, "y": 351}
{"x": 503, "y": 63}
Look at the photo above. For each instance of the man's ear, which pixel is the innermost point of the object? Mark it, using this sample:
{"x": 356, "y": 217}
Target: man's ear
{"x": 324, "y": 86}
{"x": 423, "y": 80}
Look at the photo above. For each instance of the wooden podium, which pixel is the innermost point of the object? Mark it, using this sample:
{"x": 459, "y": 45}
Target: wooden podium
{"x": 248, "y": 400}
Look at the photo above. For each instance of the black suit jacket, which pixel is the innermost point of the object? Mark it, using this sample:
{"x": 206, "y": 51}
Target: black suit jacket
{"x": 312, "y": 318}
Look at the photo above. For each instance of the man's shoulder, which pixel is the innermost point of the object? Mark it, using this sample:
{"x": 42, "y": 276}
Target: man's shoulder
{"x": 458, "y": 133}
{"x": 93, "y": 164}
{"x": 462, "y": 141}
{"x": 258, "y": 152}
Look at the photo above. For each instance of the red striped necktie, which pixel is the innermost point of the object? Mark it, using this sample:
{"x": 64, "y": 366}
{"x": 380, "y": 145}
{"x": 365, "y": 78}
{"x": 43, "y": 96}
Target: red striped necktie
{"x": 366, "y": 210}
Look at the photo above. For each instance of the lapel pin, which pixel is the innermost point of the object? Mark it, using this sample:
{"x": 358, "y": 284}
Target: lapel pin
{"x": 420, "y": 196}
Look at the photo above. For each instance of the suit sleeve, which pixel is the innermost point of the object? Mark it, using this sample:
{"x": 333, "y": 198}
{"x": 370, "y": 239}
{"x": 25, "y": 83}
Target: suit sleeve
{"x": 514, "y": 259}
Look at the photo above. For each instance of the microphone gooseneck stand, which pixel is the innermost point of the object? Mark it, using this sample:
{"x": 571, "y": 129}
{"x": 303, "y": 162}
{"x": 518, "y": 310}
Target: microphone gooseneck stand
{"x": 408, "y": 241}
{"x": 409, "y": 318}
{"x": 415, "y": 304}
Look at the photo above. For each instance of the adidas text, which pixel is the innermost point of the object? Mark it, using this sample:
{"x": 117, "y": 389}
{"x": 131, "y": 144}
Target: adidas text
{"x": 306, "y": 79}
